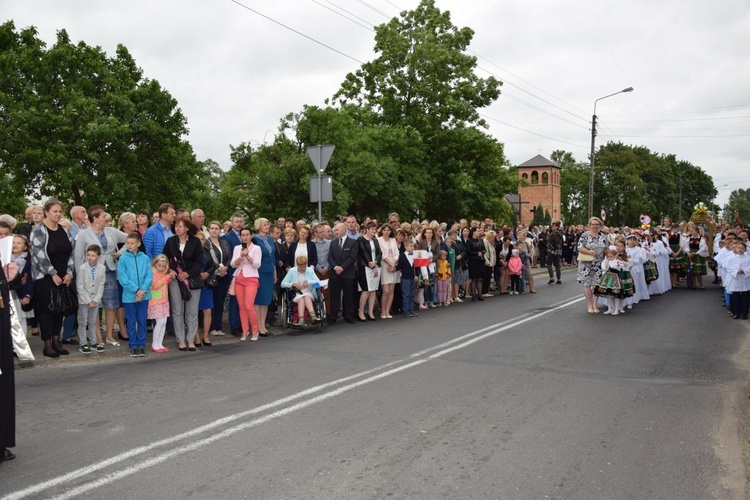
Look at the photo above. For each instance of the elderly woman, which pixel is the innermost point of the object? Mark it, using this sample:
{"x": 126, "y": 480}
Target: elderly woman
{"x": 128, "y": 223}
{"x": 591, "y": 247}
{"x": 53, "y": 263}
{"x": 184, "y": 252}
{"x": 109, "y": 240}
{"x": 301, "y": 278}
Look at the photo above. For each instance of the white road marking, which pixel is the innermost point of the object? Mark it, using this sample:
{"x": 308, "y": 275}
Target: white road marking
{"x": 465, "y": 340}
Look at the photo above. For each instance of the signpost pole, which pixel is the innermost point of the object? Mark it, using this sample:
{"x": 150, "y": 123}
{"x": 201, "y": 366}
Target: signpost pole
{"x": 320, "y": 187}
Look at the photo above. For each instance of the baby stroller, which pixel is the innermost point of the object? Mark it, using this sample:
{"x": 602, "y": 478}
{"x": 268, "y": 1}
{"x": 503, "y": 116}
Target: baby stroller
{"x": 290, "y": 314}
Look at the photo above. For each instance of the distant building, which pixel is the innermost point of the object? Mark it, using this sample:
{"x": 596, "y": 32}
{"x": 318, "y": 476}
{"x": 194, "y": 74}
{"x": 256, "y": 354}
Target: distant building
{"x": 543, "y": 188}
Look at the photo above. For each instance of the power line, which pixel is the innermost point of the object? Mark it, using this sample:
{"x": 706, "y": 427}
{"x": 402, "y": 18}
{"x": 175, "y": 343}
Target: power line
{"x": 687, "y": 136}
{"x": 531, "y": 85}
{"x": 685, "y": 111}
{"x": 369, "y": 25}
{"x": 682, "y": 119}
{"x": 297, "y": 32}
{"x": 532, "y": 106}
{"x": 530, "y": 132}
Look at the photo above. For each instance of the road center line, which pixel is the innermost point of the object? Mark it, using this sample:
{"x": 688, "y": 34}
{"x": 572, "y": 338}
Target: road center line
{"x": 467, "y": 339}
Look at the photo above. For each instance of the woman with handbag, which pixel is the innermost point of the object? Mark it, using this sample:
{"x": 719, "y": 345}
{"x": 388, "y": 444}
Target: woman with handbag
{"x": 185, "y": 254}
{"x": 53, "y": 263}
{"x": 591, "y": 247}
{"x": 221, "y": 254}
{"x": 206, "y": 303}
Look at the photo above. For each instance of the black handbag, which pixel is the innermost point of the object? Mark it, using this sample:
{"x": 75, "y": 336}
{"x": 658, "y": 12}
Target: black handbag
{"x": 63, "y": 301}
{"x": 212, "y": 281}
{"x": 185, "y": 292}
{"x": 195, "y": 283}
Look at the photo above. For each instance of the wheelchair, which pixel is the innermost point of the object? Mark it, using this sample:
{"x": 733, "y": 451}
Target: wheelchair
{"x": 289, "y": 310}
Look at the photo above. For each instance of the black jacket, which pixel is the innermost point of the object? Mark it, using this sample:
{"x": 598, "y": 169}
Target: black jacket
{"x": 190, "y": 260}
{"x": 345, "y": 257}
{"x": 365, "y": 252}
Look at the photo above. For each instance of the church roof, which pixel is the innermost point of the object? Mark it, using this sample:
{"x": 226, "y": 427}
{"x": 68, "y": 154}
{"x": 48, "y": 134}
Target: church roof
{"x": 539, "y": 161}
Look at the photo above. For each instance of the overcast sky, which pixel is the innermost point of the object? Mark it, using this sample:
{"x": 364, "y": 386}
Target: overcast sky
{"x": 236, "y": 72}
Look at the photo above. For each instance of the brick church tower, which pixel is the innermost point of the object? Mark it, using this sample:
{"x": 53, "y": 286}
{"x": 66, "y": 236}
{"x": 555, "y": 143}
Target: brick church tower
{"x": 543, "y": 177}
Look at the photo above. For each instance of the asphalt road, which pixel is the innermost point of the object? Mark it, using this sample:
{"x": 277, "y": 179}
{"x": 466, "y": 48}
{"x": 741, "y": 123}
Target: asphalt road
{"x": 516, "y": 397}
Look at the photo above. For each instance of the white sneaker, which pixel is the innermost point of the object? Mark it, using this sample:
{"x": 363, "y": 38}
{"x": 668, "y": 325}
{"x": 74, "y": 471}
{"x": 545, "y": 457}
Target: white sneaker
{"x": 630, "y": 306}
{"x": 608, "y": 311}
{"x": 615, "y": 312}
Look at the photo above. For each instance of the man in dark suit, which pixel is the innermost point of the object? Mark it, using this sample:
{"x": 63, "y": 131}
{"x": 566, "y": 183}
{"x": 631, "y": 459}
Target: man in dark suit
{"x": 341, "y": 258}
{"x": 233, "y": 238}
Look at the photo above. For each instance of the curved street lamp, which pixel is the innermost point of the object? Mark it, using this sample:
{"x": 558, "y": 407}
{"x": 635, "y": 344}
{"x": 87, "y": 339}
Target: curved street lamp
{"x": 593, "y": 140}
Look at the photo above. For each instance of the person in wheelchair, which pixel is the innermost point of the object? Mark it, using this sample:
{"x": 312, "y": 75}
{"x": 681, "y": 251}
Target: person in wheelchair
{"x": 300, "y": 280}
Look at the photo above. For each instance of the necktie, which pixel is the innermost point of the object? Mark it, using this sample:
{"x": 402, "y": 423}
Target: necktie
{"x": 411, "y": 253}
{"x": 341, "y": 246}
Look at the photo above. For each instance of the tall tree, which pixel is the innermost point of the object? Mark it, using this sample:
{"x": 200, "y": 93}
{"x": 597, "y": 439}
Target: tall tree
{"x": 374, "y": 168}
{"x": 739, "y": 203}
{"x": 88, "y": 128}
{"x": 423, "y": 79}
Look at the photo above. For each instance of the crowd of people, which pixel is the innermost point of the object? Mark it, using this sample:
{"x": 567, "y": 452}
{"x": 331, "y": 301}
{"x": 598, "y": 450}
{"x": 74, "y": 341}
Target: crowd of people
{"x": 70, "y": 280}
{"x": 171, "y": 271}
{"x": 622, "y": 267}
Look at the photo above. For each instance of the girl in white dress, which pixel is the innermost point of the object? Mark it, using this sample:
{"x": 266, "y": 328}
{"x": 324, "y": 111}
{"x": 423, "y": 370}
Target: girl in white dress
{"x": 638, "y": 258}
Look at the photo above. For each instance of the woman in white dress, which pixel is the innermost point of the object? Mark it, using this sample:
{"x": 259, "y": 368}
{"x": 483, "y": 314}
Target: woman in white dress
{"x": 389, "y": 276}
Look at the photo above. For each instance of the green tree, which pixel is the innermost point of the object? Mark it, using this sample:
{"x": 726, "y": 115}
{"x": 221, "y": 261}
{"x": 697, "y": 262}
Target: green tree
{"x": 88, "y": 128}
{"x": 538, "y": 218}
{"x": 574, "y": 187}
{"x": 374, "y": 168}
{"x": 631, "y": 180}
{"x": 422, "y": 79}
{"x": 738, "y": 203}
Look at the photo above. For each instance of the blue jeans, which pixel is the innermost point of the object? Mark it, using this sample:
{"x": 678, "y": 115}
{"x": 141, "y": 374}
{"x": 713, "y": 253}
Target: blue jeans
{"x": 408, "y": 287}
{"x": 135, "y": 318}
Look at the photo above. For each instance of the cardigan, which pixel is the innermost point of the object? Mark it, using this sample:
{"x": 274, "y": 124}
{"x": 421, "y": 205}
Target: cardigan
{"x": 88, "y": 237}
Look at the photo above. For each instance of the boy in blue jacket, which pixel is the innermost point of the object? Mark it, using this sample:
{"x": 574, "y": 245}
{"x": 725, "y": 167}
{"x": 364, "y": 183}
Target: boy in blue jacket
{"x": 134, "y": 274}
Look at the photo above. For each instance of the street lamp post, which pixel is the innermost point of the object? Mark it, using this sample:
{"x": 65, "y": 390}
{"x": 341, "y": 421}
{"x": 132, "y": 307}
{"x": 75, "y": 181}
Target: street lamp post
{"x": 593, "y": 141}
